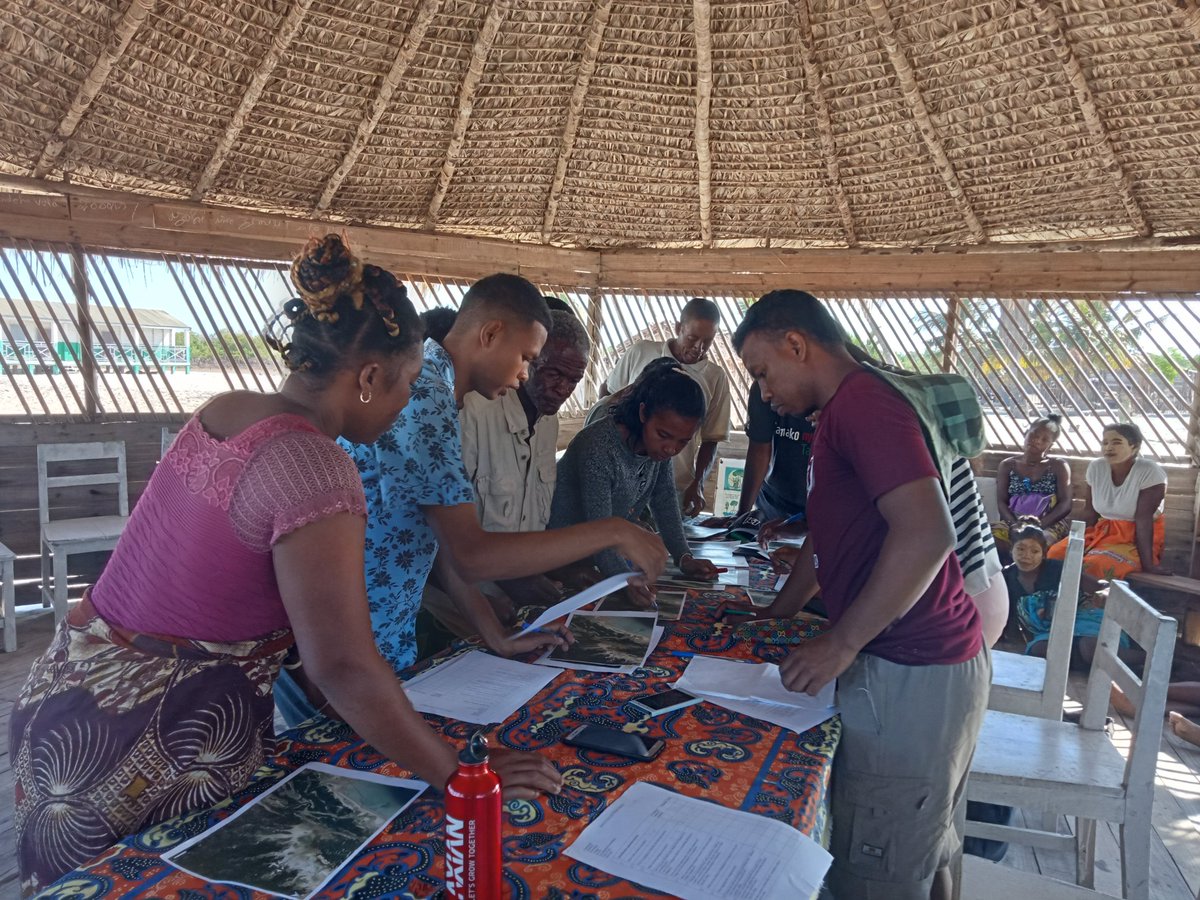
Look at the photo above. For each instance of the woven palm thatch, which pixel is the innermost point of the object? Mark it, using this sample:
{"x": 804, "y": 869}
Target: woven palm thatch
{"x": 599, "y": 123}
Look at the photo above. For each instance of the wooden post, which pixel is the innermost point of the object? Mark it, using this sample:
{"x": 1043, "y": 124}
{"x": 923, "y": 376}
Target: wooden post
{"x": 1192, "y": 445}
{"x": 948, "y": 348}
{"x": 591, "y": 391}
{"x": 87, "y": 361}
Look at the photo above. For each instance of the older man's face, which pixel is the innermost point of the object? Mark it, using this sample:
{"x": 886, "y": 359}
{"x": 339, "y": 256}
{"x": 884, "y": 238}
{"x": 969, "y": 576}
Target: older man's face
{"x": 554, "y": 375}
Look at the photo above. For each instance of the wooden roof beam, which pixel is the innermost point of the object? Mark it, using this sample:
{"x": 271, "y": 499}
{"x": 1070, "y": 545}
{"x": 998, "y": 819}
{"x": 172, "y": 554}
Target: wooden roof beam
{"x": 916, "y": 104}
{"x": 387, "y": 89}
{"x": 812, "y": 78}
{"x": 287, "y": 32}
{"x": 135, "y": 14}
{"x": 583, "y": 80}
{"x": 1052, "y": 30}
{"x": 466, "y": 99}
{"x": 702, "y": 28}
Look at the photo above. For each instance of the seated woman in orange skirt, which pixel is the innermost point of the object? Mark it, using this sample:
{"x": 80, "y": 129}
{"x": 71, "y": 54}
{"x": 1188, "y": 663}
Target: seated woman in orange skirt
{"x": 1123, "y": 511}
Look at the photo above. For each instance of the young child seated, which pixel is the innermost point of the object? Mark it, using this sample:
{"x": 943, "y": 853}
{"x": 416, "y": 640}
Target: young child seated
{"x": 1032, "y": 581}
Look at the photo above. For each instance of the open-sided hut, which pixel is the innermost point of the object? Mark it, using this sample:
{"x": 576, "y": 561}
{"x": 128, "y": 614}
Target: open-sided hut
{"x": 1009, "y": 188}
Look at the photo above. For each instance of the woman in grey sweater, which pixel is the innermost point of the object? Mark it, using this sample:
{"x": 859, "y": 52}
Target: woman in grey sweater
{"x": 621, "y": 464}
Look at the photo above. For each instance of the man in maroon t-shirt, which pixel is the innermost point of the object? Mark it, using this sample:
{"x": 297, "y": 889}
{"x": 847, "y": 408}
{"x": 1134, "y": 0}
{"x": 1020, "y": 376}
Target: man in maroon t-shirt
{"x": 905, "y": 641}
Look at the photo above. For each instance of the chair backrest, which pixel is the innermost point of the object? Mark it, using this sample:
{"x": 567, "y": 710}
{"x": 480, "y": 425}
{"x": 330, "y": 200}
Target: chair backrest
{"x": 1062, "y": 626}
{"x": 168, "y": 436}
{"x": 987, "y": 490}
{"x": 1126, "y": 612}
{"x": 91, "y": 451}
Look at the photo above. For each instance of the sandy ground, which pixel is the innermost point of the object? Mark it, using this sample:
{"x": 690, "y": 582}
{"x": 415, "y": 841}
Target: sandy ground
{"x": 127, "y": 393}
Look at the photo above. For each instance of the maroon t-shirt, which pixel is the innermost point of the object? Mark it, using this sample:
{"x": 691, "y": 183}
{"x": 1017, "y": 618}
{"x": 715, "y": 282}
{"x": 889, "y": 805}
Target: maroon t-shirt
{"x": 868, "y": 443}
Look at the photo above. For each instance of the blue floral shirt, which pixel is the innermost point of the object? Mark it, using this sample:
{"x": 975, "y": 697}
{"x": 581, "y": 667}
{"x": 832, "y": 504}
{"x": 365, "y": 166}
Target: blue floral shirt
{"x": 417, "y": 463}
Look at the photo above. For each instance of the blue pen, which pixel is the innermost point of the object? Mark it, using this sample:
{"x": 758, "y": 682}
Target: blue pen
{"x": 794, "y": 518}
{"x": 681, "y": 654}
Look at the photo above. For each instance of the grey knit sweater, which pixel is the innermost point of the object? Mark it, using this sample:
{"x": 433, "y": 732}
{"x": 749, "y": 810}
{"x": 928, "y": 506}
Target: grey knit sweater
{"x": 599, "y": 476}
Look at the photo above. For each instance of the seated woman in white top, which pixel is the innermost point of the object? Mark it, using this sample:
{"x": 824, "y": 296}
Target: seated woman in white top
{"x": 1123, "y": 510}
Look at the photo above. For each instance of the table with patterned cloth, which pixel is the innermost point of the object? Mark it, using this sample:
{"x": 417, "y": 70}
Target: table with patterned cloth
{"x": 735, "y": 760}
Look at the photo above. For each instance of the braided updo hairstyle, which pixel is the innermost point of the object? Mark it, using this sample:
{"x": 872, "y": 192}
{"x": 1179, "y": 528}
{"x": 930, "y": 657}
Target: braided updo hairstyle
{"x": 344, "y": 311}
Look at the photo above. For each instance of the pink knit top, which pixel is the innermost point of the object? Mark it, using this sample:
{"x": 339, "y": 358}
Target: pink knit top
{"x": 195, "y": 559}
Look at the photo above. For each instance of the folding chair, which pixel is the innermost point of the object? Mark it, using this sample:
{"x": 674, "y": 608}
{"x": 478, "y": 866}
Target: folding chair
{"x": 62, "y": 538}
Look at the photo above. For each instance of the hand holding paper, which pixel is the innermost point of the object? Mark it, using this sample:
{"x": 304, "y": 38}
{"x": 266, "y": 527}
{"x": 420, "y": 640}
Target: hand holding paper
{"x": 583, "y": 598}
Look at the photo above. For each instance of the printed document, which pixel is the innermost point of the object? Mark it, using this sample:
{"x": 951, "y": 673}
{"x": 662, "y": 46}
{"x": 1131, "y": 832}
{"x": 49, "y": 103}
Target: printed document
{"x": 477, "y": 687}
{"x": 699, "y": 850}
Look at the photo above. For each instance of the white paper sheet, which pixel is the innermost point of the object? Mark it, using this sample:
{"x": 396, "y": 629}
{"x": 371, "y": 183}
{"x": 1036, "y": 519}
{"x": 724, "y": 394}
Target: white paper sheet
{"x": 756, "y": 690}
{"x": 583, "y": 598}
{"x": 699, "y": 850}
{"x": 477, "y": 687}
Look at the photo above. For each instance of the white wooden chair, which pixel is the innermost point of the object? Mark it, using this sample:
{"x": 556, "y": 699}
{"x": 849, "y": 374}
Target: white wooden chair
{"x": 8, "y": 597}
{"x": 1027, "y": 684}
{"x": 166, "y": 438}
{"x": 1046, "y": 766}
{"x": 983, "y": 880}
{"x": 64, "y": 537}
{"x": 987, "y": 490}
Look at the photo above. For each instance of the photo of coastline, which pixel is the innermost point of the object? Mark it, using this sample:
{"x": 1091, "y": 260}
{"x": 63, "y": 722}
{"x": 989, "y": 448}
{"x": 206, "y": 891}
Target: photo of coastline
{"x": 293, "y": 839}
{"x": 607, "y": 639}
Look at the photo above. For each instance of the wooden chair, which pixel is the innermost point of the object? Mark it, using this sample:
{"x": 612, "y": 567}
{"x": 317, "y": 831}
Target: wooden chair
{"x": 983, "y": 880}
{"x": 64, "y": 537}
{"x": 987, "y": 490}
{"x": 8, "y": 597}
{"x": 1046, "y": 766}
{"x": 1035, "y": 687}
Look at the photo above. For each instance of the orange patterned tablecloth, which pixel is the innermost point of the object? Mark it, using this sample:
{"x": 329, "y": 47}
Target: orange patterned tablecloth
{"x": 738, "y": 761}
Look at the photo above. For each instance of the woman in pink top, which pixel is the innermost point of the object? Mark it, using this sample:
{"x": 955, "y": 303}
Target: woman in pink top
{"x": 154, "y": 698}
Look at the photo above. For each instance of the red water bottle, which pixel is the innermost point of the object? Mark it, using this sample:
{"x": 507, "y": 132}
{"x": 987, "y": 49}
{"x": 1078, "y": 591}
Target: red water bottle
{"x": 473, "y": 826}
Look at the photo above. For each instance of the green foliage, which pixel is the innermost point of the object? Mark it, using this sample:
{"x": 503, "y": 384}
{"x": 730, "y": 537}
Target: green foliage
{"x": 227, "y": 343}
{"x": 1173, "y": 363}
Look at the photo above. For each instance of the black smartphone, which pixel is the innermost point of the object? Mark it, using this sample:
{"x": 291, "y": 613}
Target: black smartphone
{"x": 664, "y": 701}
{"x": 610, "y": 740}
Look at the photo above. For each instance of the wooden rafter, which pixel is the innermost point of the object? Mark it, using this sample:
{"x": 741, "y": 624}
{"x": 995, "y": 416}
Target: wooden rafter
{"x": 279, "y": 44}
{"x": 51, "y": 212}
{"x": 583, "y": 79}
{"x": 702, "y": 28}
{"x": 387, "y": 89}
{"x": 812, "y": 78}
{"x": 1051, "y": 27}
{"x": 135, "y": 14}
{"x": 466, "y": 99}
{"x": 916, "y": 104}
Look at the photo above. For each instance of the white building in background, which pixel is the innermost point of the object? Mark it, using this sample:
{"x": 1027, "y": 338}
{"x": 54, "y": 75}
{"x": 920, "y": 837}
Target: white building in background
{"x": 39, "y": 336}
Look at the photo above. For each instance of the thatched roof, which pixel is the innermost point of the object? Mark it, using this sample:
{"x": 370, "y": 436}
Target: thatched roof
{"x": 613, "y": 122}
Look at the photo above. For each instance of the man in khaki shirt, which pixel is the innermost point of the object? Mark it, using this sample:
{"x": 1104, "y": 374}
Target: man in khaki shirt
{"x": 694, "y": 334}
{"x": 509, "y": 446}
